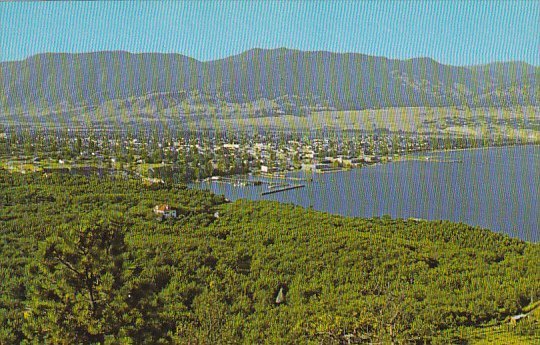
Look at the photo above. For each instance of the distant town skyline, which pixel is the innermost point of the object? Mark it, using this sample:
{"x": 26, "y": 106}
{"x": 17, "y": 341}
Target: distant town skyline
{"x": 456, "y": 33}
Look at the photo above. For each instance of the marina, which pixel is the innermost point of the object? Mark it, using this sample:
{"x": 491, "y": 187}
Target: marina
{"x": 411, "y": 188}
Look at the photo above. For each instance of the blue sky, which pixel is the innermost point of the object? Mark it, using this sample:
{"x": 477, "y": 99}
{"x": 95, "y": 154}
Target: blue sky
{"x": 458, "y": 33}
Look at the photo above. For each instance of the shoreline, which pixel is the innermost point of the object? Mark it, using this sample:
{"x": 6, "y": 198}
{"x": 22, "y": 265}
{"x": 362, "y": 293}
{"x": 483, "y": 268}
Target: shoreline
{"x": 417, "y": 155}
{"x": 523, "y": 230}
{"x": 474, "y": 148}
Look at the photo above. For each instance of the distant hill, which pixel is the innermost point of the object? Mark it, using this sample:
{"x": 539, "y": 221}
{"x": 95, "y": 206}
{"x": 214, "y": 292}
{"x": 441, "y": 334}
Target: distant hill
{"x": 258, "y": 82}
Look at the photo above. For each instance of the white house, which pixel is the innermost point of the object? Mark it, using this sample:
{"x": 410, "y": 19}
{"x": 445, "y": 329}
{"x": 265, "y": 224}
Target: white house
{"x": 165, "y": 210}
{"x": 268, "y": 169}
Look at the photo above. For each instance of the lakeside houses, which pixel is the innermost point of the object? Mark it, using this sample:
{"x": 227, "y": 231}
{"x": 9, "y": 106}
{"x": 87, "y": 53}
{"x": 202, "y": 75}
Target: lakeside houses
{"x": 268, "y": 169}
{"x": 317, "y": 167}
{"x": 199, "y": 157}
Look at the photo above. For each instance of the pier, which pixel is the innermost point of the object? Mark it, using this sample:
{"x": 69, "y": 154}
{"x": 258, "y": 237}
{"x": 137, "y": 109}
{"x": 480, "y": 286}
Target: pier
{"x": 283, "y": 189}
{"x": 277, "y": 185}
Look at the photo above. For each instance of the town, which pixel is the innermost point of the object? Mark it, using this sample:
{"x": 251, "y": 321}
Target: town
{"x": 196, "y": 156}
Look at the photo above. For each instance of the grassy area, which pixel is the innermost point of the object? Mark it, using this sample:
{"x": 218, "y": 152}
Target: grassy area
{"x": 519, "y": 123}
{"x": 502, "y": 334}
{"x": 526, "y": 331}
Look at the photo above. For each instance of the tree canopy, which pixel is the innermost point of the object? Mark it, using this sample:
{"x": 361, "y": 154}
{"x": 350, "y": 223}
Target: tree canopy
{"x": 85, "y": 260}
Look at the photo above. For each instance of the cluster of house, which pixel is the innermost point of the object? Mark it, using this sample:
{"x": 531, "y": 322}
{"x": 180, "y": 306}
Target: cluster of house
{"x": 266, "y": 153}
{"x": 317, "y": 155}
{"x": 331, "y": 163}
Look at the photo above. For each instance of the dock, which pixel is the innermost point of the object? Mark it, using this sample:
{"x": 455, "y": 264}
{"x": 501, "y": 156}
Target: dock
{"x": 284, "y": 177}
{"x": 283, "y": 189}
{"x": 277, "y": 185}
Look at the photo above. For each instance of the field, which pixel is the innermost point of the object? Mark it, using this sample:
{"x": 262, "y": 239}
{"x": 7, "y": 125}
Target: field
{"x": 517, "y": 123}
{"x": 522, "y": 123}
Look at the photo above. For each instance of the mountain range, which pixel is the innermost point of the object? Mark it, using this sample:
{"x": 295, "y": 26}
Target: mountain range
{"x": 258, "y": 82}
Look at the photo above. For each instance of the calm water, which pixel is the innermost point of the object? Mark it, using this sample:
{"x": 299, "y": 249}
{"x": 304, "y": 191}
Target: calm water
{"x": 495, "y": 188}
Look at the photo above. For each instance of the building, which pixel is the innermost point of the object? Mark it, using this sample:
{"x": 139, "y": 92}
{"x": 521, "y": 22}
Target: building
{"x": 268, "y": 169}
{"x": 308, "y": 167}
{"x": 317, "y": 167}
{"x": 517, "y": 318}
{"x": 165, "y": 210}
{"x": 371, "y": 159}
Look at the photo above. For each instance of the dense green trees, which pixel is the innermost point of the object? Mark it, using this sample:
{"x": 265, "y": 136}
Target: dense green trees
{"x": 85, "y": 260}
{"x": 77, "y": 291}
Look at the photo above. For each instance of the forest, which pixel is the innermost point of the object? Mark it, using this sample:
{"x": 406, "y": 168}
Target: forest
{"x": 85, "y": 260}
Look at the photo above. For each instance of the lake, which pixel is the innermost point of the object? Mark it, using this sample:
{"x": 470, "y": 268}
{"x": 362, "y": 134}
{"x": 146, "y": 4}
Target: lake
{"x": 494, "y": 188}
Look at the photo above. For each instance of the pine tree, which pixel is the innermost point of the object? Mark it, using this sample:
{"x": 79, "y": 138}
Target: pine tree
{"x": 77, "y": 294}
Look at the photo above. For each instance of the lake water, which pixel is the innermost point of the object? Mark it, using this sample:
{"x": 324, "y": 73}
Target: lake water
{"x": 494, "y": 188}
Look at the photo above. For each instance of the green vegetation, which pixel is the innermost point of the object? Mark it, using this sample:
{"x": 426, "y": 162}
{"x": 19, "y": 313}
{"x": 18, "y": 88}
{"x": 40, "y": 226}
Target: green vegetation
{"x": 85, "y": 260}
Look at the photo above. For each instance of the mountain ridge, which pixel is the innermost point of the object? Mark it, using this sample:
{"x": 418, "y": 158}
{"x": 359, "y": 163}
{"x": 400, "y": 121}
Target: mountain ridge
{"x": 127, "y": 52}
{"x": 259, "y": 82}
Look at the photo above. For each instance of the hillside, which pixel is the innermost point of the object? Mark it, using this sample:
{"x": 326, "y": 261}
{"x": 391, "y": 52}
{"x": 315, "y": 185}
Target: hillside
{"x": 119, "y": 85}
{"x": 84, "y": 260}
